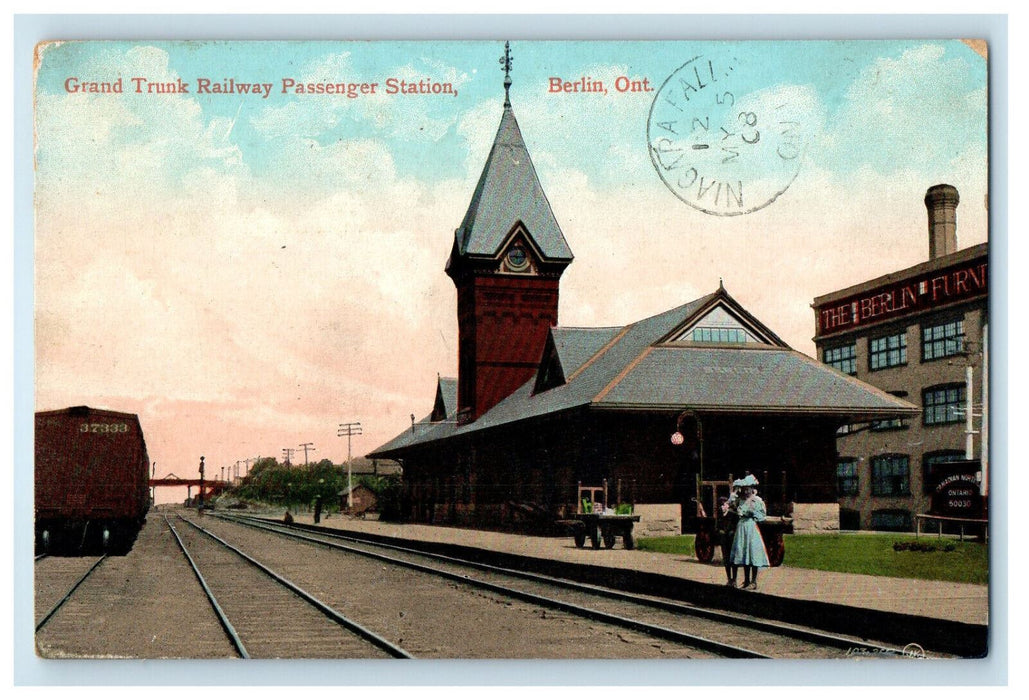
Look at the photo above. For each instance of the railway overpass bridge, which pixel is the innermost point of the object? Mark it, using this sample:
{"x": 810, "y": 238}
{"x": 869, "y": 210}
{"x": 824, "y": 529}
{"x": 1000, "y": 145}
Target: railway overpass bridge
{"x": 206, "y": 488}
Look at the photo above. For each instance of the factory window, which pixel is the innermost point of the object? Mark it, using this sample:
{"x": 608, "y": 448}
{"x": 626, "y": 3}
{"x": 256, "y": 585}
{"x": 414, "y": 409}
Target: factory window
{"x": 943, "y": 340}
{"x": 890, "y": 476}
{"x": 943, "y": 404}
{"x": 890, "y": 424}
{"x": 719, "y": 335}
{"x": 842, "y": 358}
{"x": 931, "y": 464}
{"x": 891, "y": 520}
{"x": 847, "y": 476}
{"x": 887, "y": 351}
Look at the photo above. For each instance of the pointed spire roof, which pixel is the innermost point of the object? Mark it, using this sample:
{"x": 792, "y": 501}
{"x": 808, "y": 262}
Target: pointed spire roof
{"x": 509, "y": 192}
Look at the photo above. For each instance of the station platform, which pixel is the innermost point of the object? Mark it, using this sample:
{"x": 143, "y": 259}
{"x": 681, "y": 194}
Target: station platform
{"x": 944, "y": 600}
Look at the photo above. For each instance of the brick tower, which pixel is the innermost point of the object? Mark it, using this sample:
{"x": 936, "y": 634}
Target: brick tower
{"x": 506, "y": 262}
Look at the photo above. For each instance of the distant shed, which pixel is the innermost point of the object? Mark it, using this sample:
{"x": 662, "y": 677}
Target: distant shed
{"x": 363, "y": 499}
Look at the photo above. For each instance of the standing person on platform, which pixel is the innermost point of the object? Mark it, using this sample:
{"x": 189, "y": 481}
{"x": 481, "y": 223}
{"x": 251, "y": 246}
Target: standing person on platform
{"x": 728, "y": 523}
{"x": 748, "y": 549}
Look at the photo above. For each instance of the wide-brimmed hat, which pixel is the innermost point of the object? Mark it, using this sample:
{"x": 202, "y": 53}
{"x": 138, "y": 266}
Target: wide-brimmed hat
{"x": 748, "y": 480}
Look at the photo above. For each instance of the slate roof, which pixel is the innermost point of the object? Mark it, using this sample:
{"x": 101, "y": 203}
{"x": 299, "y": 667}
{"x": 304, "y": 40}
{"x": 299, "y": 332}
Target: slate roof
{"x": 576, "y": 345}
{"x": 508, "y": 192}
{"x": 635, "y": 368}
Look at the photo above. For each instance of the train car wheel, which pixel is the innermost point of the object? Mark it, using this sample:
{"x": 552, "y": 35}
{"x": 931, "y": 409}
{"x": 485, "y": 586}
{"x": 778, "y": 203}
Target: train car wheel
{"x": 704, "y": 547}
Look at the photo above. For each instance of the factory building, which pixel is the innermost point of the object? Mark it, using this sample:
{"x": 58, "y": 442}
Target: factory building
{"x": 536, "y": 407}
{"x": 919, "y": 334}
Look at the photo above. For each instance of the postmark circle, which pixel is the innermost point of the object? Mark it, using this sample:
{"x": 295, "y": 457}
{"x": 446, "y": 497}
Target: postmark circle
{"x": 720, "y": 145}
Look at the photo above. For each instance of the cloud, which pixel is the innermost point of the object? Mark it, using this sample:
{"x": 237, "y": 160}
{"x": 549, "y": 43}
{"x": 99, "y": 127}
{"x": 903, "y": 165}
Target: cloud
{"x": 917, "y": 109}
{"x": 134, "y": 143}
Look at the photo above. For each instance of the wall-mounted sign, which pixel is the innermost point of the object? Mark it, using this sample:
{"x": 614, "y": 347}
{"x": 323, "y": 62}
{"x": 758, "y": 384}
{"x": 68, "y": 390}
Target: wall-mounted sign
{"x": 956, "y": 492}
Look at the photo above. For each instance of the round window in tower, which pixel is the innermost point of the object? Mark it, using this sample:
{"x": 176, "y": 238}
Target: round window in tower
{"x": 517, "y": 259}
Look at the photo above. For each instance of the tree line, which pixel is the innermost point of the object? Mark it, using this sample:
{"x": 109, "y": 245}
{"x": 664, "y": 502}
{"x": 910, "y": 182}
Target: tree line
{"x": 297, "y": 487}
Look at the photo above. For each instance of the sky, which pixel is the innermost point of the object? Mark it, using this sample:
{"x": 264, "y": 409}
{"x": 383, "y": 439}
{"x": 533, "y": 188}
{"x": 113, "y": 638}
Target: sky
{"x": 247, "y": 271}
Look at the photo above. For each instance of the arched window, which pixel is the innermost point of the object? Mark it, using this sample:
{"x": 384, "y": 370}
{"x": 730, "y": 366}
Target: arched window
{"x": 943, "y": 404}
{"x": 843, "y": 358}
{"x": 891, "y": 476}
{"x": 943, "y": 339}
{"x": 847, "y": 476}
{"x": 888, "y": 351}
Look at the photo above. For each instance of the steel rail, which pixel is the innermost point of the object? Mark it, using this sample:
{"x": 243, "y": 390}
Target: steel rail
{"x": 67, "y": 595}
{"x": 781, "y": 629}
{"x": 381, "y": 642}
{"x": 218, "y": 611}
{"x": 695, "y": 641}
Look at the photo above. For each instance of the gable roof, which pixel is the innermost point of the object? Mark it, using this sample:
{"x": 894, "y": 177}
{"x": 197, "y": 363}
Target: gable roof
{"x": 635, "y": 368}
{"x": 508, "y": 192}
{"x": 446, "y": 399}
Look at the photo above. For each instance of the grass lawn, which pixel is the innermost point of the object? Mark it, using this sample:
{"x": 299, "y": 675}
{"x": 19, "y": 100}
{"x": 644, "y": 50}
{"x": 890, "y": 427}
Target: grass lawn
{"x": 865, "y": 554}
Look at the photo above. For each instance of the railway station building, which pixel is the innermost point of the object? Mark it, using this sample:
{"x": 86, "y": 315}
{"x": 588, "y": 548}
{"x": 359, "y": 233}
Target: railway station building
{"x": 701, "y": 391}
{"x": 920, "y": 334}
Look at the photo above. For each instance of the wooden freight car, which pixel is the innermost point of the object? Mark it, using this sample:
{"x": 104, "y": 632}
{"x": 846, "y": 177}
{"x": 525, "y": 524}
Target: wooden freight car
{"x": 92, "y": 489}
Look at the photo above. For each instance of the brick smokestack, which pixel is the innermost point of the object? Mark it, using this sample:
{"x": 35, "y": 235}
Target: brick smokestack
{"x": 941, "y": 201}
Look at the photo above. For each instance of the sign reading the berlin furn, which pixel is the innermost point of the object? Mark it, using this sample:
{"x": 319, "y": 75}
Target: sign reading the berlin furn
{"x": 956, "y": 283}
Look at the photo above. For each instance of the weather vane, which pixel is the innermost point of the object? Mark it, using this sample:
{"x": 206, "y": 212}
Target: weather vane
{"x": 505, "y": 63}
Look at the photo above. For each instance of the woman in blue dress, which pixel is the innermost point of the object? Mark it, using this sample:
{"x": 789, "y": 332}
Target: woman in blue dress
{"x": 748, "y": 549}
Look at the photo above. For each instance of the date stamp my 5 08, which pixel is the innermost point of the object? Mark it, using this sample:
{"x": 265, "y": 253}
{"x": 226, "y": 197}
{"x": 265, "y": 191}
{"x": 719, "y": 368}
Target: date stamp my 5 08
{"x": 717, "y": 145}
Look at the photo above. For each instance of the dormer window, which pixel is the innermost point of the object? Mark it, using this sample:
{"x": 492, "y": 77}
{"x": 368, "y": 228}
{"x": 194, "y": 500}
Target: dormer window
{"x": 551, "y": 373}
{"x": 704, "y": 334}
{"x": 719, "y": 326}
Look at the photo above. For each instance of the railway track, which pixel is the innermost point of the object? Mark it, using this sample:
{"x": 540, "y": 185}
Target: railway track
{"x": 57, "y": 579}
{"x": 712, "y": 631}
{"x": 266, "y": 615}
{"x": 451, "y": 617}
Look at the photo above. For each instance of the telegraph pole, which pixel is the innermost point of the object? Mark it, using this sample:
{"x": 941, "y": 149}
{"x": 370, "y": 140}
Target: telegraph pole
{"x": 287, "y": 453}
{"x": 201, "y": 485}
{"x": 350, "y": 430}
{"x": 307, "y": 446}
